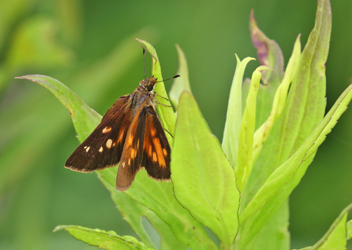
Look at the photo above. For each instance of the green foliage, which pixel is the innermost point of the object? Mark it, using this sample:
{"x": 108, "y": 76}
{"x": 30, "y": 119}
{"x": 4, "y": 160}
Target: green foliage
{"x": 335, "y": 237}
{"x": 102, "y": 239}
{"x": 203, "y": 179}
{"x": 239, "y": 189}
{"x": 181, "y": 83}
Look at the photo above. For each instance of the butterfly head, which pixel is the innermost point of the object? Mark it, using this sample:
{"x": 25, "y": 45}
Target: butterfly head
{"x": 148, "y": 83}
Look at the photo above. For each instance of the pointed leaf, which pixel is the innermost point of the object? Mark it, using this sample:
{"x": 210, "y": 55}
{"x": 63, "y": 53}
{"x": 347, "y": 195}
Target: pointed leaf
{"x": 303, "y": 110}
{"x": 306, "y": 102}
{"x": 103, "y": 239}
{"x": 166, "y": 114}
{"x": 279, "y": 100}
{"x": 182, "y": 83}
{"x": 234, "y": 114}
{"x": 245, "y": 150}
{"x": 280, "y": 184}
{"x": 349, "y": 230}
{"x": 335, "y": 237}
{"x": 78, "y": 109}
{"x": 203, "y": 179}
{"x": 269, "y": 53}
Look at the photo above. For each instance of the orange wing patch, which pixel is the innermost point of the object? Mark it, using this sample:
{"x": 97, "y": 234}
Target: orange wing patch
{"x": 120, "y": 136}
{"x": 156, "y": 148}
{"x": 159, "y": 152}
{"x": 133, "y": 153}
{"x": 130, "y": 140}
{"x": 155, "y": 159}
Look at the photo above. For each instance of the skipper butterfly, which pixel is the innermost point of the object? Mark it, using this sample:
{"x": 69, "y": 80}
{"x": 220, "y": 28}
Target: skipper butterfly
{"x": 130, "y": 133}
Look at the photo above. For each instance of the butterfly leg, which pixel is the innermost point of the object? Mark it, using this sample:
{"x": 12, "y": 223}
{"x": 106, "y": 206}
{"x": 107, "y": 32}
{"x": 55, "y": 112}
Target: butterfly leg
{"x": 160, "y": 96}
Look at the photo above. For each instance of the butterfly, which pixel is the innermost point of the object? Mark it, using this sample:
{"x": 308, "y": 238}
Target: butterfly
{"x": 130, "y": 133}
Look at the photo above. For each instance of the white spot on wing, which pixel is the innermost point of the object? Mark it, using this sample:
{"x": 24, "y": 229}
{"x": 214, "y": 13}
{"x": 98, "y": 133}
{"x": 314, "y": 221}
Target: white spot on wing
{"x": 108, "y": 143}
{"x": 107, "y": 129}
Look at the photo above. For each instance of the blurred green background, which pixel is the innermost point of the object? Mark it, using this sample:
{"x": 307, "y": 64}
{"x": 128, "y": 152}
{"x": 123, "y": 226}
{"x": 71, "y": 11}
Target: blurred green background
{"x": 90, "y": 47}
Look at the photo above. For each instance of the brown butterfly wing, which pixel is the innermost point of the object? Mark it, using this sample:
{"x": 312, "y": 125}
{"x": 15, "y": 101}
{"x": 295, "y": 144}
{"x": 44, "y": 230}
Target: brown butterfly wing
{"x": 132, "y": 153}
{"x": 156, "y": 157}
{"x": 146, "y": 146}
{"x": 103, "y": 147}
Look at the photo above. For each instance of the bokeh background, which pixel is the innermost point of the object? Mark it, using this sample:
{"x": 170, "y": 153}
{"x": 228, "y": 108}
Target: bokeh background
{"x": 89, "y": 45}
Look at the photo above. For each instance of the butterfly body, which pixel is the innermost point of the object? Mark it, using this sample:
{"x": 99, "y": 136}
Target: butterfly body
{"x": 130, "y": 133}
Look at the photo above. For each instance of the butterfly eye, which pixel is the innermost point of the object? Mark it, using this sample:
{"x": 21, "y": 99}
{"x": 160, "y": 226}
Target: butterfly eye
{"x": 150, "y": 87}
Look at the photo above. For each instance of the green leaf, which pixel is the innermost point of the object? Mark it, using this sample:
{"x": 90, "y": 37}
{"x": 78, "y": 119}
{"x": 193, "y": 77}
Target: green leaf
{"x": 335, "y": 237}
{"x": 349, "y": 230}
{"x": 275, "y": 234}
{"x": 303, "y": 110}
{"x": 132, "y": 211}
{"x": 279, "y": 102}
{"x": 245, "y": 150}
{"x": 269, "y": 53}
{"x": 103, "y": 239}
{"x": 280, "y": 184}
{"x": 182, "y": 83}
{"x": 166, "y": 114}
{"x": 306, "y": 102}
{"x": 159, "y": 198}
{"x": 78, "y": 109}
{"x": 234, "y": 114}
{"x": 203, "y": 179}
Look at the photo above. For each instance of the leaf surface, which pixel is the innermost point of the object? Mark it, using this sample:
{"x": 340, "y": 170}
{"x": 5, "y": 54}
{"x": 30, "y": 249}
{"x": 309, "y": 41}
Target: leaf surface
{"x": 203, "y": 179}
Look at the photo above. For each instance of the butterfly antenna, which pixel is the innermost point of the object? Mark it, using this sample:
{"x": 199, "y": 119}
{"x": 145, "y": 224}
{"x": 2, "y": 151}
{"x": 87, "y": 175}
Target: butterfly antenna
{"x": 170, "y": 78}
{"x": 145, "y": 76}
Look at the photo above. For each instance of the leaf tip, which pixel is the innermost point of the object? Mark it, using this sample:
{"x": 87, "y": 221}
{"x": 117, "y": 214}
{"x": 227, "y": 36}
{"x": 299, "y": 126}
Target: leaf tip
{"x": 252, "y": 22}
{"x": 246, "y": 59}
{"x": 262, "y": 67}
{"x": 57, "y": 228}
{"x": 149, "y": 48}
